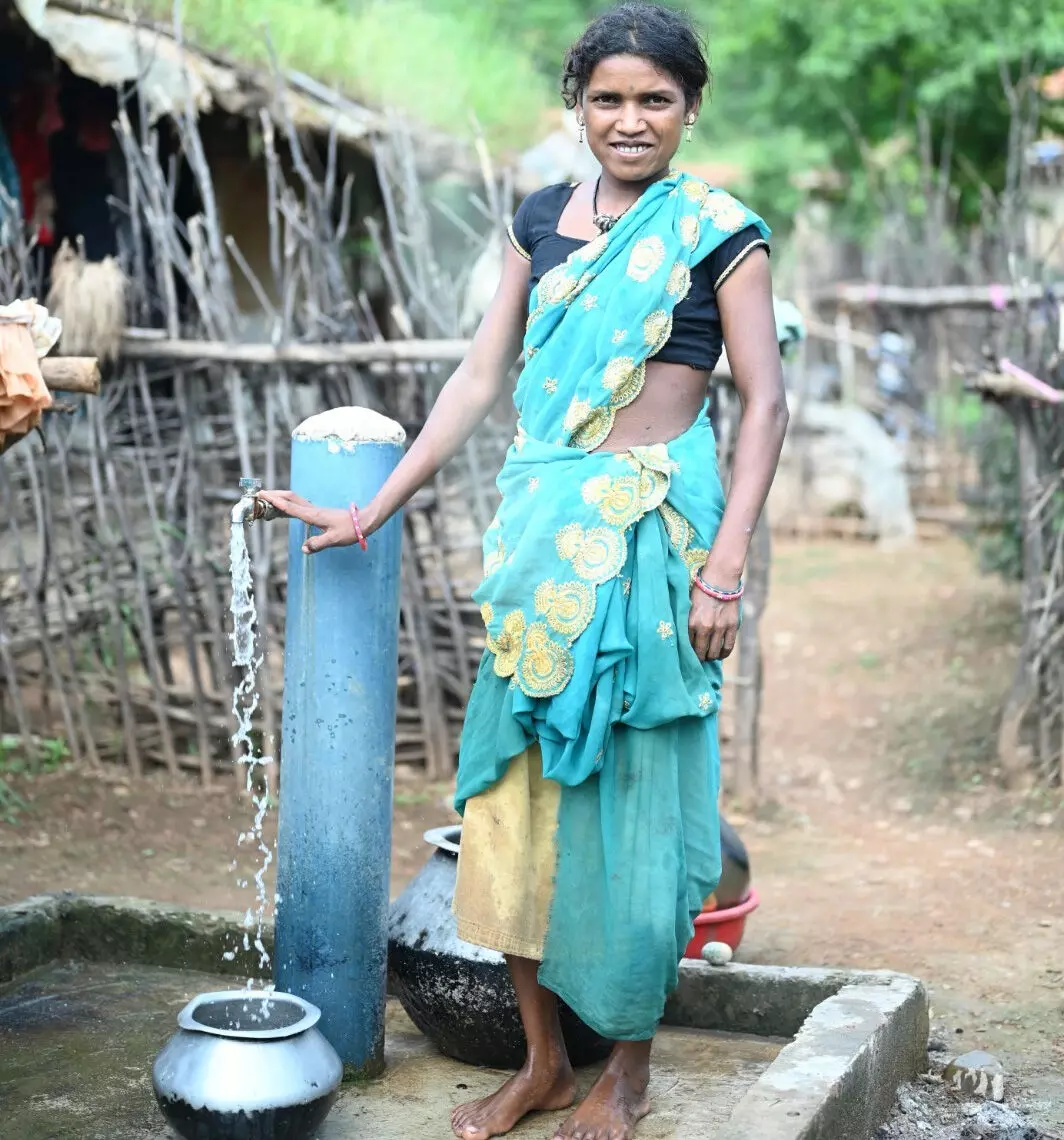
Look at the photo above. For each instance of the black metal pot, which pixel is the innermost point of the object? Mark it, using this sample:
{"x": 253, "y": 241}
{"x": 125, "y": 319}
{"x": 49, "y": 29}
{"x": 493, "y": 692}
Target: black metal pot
{"x": 735, "y": 868}
{"x": 460, "y": 996}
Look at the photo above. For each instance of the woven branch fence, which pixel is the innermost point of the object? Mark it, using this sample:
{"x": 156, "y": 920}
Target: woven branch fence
{"x": 114, "y": 588}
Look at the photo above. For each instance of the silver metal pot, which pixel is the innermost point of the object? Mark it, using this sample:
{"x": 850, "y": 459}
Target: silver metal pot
{"x": 247, "y": 1065}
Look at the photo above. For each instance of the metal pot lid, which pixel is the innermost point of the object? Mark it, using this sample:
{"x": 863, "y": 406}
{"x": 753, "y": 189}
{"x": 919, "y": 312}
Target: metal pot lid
{"x": 445, "y": 838}
{"x": 250, "y": 1015}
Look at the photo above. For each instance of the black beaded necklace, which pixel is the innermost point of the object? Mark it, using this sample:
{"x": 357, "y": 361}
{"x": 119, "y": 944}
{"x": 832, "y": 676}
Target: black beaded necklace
{"x": 605, "y": 222}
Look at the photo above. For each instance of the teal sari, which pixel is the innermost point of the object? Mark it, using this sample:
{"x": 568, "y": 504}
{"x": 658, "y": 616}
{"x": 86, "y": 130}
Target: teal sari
{"x": 588, "y": 567}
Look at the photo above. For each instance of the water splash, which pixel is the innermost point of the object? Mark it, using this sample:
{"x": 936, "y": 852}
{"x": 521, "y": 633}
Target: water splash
{"x": 245, "y": 705}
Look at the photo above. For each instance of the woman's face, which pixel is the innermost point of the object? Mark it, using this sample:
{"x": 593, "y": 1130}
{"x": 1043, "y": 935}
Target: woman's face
{"x": 634, "y": 115}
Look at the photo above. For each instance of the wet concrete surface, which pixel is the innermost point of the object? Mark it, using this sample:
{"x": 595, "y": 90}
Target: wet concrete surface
{"x": 77, "y": 1042}
{"x": 76, "y": 1045}
{"x": 697, "y": 1080}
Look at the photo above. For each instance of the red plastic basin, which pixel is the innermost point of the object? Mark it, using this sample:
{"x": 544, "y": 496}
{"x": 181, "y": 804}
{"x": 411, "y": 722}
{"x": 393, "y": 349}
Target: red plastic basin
{"x": 726, "y": 925}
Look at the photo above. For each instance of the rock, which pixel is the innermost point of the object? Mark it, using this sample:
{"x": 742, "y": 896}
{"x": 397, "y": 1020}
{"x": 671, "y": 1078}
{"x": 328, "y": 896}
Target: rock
{"x": 937, "y": 1045}
{"x": 977, "y": 1074}
{"x": 717, "y": 953}
{"x": 838, "y": 461}
{"x": 560, "y": 157}
{"x": 908, "y": 1105}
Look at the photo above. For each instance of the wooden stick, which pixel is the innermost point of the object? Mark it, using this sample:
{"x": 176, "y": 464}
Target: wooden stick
{"x": 136, "y": 346}
{"x": 72, "y": 374}
{"x": 1006, "y": 384}
{"x": 867, "y": 296}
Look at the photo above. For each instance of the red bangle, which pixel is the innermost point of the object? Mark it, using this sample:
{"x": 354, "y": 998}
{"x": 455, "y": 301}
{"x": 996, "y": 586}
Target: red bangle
{"x": 358, "y": 526}
{"x": 720, "y": 595}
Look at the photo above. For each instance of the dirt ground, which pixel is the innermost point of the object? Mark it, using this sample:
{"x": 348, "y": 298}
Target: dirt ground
{"x": 884, "y": 840}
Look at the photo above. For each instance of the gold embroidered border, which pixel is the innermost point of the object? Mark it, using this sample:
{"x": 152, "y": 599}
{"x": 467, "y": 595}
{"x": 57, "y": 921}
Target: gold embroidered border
{"x": 516, "y": 244}
{"x": 527, "y": 652}
{"x": 681, "y": 534}
{"x": 735, "y": 261}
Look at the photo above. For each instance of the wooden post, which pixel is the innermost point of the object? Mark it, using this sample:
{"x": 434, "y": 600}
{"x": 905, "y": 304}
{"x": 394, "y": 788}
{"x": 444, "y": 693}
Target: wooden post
{"x": 1022, "y": 693}
{"x": 72, "y": 374}
{"x": 845, "y": 355}
{"x": 749, "y": 681}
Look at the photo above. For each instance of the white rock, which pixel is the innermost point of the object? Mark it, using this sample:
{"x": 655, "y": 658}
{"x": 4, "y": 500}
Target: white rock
{"x": 977, "y": 1074}
{"x": 717, "y": 953}
{"x": 839, "y": 458}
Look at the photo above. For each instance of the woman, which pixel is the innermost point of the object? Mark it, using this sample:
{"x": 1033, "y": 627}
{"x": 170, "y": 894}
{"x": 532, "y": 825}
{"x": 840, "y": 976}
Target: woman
{"x": 588, "y": 773}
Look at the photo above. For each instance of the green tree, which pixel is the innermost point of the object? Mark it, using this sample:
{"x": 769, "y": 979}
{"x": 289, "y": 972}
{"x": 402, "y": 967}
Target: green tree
{"x": 860, "y": 72}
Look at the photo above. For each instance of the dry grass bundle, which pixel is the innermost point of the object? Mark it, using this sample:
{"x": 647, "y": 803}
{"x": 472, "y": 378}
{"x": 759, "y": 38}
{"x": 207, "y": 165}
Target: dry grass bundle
{"x": 89, "y": 297}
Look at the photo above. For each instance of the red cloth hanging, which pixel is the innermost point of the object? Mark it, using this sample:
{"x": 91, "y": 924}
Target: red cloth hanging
{"x": 35, "y": 117}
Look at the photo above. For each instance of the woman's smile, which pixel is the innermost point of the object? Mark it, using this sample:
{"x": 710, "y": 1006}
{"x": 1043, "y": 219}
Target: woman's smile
{"x": 631, "y": 150}
{"x": 635, "y": 115}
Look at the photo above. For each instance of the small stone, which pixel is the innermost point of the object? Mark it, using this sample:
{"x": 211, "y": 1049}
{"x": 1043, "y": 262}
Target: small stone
{"x": 977, "y": 1074}
{"x": 937, "y": 1045}
{"x": 1044, "y": 820}
{"x": 970, "y": 1109}
{"x": 908, "y": 1105}
{"x": 923, "y": 1126}
{"x": 717, "y": 953}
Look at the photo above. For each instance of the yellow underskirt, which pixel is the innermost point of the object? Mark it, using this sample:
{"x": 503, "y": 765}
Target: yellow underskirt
{"x": 506, "y": 861}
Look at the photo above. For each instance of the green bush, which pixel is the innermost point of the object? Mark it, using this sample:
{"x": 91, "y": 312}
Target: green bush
{"x": 443, "y": 69}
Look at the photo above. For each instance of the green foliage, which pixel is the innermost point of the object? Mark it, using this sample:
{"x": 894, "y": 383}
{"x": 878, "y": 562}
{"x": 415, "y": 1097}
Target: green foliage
{"x": 42, "y": 754}
{"x": 541, "y": 29}
{"x": 807, "y": 83}
{"x": 16, "y": 759}
{"x": 11, "y": 804}
{"x": 440, "y": 66}
{"x": 844, "y": 75}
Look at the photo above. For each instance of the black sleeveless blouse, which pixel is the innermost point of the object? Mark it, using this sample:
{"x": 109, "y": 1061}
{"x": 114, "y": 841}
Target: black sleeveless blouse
{"x": 697, "y": 337}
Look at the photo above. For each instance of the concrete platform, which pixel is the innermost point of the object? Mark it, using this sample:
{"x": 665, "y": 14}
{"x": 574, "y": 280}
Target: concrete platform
{"x": 77, "y": 1041}
{"x": 90, "y": 989}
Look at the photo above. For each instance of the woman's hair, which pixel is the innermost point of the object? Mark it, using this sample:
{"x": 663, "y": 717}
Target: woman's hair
{"x": 664, "y": 37}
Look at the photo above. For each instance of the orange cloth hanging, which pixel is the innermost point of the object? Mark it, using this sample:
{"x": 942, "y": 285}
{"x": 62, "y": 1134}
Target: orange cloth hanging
{"x": 23, "y": 393}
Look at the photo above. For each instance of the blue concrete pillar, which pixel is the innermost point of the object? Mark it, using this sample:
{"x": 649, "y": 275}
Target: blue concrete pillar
{"x": 338, "y": 741}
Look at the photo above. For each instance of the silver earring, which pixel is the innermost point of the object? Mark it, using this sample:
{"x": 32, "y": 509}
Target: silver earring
{"x": 581, "y": 135}
{"x": 690, "y": 128}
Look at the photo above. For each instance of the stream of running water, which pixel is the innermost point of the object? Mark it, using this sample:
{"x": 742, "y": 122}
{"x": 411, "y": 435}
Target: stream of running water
{"x": 247, "y": 659}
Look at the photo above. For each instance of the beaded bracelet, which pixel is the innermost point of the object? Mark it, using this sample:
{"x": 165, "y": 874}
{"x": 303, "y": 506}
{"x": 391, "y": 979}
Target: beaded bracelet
{"x": 358, "y": 526}
{"x": 715, "y": 592}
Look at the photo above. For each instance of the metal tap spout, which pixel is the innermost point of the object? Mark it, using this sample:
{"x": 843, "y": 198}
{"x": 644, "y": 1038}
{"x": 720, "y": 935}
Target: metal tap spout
{"x": 251, "y": 508}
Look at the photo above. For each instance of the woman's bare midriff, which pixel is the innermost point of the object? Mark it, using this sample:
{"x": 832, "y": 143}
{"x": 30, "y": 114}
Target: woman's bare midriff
{"x": 672, "y": 397}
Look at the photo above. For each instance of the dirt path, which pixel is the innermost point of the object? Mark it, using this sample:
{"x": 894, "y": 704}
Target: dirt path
{"x": 885, "y": 676}
{"x": 884, "y": 843}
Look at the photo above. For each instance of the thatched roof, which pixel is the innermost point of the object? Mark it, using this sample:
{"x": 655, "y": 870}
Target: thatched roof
{"x": 113, "y": 47}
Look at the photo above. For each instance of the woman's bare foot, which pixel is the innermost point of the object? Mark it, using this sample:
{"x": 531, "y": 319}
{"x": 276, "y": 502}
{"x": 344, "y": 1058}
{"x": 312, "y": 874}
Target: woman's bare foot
{"x": 617, "y": 1100}
{"x": 538, "y": 1087}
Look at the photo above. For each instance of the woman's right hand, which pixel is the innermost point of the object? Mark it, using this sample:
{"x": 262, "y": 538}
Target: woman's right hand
{"x": 336, "y": 525}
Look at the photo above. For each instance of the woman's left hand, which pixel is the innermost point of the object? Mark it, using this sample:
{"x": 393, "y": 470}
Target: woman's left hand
{"x": 712, "y": 626}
